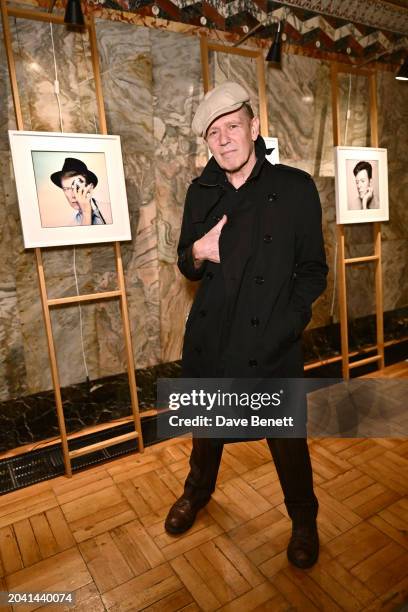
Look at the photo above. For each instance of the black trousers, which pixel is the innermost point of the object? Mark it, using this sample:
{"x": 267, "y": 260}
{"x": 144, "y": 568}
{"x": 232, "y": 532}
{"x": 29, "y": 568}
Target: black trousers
{"x": 292, "y": 462}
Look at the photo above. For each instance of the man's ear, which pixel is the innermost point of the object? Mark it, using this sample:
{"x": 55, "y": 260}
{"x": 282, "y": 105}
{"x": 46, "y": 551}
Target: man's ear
{"x": 255, "y": 128}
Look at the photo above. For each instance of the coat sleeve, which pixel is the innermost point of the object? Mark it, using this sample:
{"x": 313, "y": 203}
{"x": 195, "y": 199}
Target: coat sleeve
{"x": 188, "y": 236}
{"x": 310, "y": 258}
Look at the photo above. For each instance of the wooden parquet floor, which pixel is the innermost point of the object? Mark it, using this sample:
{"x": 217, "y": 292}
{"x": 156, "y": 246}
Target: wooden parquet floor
{"x": 101, "y": 534}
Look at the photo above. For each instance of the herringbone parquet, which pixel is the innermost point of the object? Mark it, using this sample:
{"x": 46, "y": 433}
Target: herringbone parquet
{"x": 101, "y": 534}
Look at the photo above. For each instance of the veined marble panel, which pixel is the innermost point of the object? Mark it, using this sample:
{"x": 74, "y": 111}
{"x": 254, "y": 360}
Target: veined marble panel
{"x": 140, "y": 187}
{"x": 176, "y": 61}
{"x": 7, "y": 116}
{"x": 144, "y": 313}
{"x": 11, "y": 239}
{"x": 126, "y": 70}
{"x": 126, "y": 67}
{"x": 322, "y": 138}
{"x": 143, "y": 305}
{"x": 393, "y": 135}
{"x": 291, "y": 94}
{"x": 179, "y": 293}
{"x": 360, "y": 285}
{"x": 361, "y": 279}
{"x": 32, "y": 44}
{"x": 12, "y": 368}
{"x": 354, "y": 102}
{"x": 395, "y": 273}
{"x": 66, "y": 332}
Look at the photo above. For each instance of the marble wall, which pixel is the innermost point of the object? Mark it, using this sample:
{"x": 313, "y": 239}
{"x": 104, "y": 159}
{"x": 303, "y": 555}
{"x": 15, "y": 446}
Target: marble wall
{"x": 152, "y": 84}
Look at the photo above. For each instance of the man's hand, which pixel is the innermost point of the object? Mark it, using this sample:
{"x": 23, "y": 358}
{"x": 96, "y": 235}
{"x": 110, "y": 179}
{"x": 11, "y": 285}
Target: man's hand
{"x": 83, "y": 194}
{"x": 208, "y": 246}
{"x": 367, "y": 197}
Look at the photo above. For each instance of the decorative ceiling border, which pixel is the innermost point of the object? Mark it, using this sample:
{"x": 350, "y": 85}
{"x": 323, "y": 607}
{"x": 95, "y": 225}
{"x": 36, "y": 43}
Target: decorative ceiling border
{"x": 374, "y": 13}
{"x": 303, "y": 26}
{"x": 306, "y": 32}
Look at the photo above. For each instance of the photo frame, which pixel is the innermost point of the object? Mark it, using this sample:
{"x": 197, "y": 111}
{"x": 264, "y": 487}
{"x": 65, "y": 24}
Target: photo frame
{"x": 361, "y": 185}
{"x": 272, "y": 143}
{"x": 70, "y": 187}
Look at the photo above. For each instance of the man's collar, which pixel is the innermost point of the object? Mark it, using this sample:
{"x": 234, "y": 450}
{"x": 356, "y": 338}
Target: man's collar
{"x": 214, "y": 175}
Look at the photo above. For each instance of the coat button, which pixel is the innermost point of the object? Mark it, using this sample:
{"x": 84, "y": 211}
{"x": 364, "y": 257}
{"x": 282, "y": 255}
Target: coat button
{"x": 254, "y": 321}
{"x": 202, "y": 313}
{"x": 259, "y": 280}
{"x": 267, "y": 238}
{"x": 272, "y": 197}
{"x": 198, "y": 350}
{"x": 210, "y": 275}
{"x": 252, "y": 363}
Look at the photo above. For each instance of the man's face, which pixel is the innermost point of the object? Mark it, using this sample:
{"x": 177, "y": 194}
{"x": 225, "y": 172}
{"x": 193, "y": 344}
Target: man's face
{"x": 363, "y": 183}
{"x": 70, "y": 191}
{"x": 231, "y": 139}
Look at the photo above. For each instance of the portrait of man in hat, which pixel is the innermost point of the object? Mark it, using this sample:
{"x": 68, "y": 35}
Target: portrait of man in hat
{"x": 72, "y": 188}
{"x": 78, "y": 183}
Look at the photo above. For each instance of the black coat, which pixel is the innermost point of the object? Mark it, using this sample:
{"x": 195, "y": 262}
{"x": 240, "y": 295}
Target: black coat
{"x": 250, "y": 310}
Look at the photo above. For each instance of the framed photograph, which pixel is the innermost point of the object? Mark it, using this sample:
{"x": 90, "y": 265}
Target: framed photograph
{"x": 272, "y": 143}
{"x": 361, "y": 185}
{"x": 70, "y": 187}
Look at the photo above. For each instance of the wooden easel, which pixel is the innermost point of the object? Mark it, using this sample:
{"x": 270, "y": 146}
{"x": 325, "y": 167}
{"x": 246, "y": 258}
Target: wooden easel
{"x": 47, "y": 303}
{"x": 206, "y": 46}
{"x": 376, "y": 258}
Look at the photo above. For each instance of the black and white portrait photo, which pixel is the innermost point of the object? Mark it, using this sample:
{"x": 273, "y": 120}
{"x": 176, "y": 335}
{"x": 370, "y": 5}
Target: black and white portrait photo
{"x": 361, "y": 184}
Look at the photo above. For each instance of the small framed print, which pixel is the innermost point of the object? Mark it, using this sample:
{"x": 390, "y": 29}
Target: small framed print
{"x": 70, "y": 187}
{"x": 361, "y": 185}
{"x": 272, "y": 145}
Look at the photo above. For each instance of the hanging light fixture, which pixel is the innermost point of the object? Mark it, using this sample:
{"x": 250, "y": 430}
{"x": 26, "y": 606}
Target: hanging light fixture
{"x": 402, "y": 74}
{"x": 274, "y": 53}
{"x": 73, "y": 13}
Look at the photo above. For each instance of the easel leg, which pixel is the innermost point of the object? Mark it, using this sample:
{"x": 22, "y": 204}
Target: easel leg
{"x": 128, "y": 345}
{"x": 53, "y": 363}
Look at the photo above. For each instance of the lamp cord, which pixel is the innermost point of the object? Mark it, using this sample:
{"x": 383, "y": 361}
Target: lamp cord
{"x": 57, "y": 95}
{"x": 56, "y": 82}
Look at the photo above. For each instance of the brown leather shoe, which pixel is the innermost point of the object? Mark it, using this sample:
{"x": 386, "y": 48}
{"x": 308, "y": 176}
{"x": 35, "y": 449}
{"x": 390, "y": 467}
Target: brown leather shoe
{"x": 303, "y": 549}
{"x": 182, "y": 515}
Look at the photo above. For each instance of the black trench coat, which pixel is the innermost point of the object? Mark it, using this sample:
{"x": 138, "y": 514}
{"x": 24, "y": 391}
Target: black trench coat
{"x": 272, "y": 268}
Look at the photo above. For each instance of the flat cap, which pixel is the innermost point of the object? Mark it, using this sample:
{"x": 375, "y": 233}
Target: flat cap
{"x": 225, "y": 98}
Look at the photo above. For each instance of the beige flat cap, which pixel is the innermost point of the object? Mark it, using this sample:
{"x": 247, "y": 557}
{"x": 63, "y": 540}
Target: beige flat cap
{"x": 223, "y": 99}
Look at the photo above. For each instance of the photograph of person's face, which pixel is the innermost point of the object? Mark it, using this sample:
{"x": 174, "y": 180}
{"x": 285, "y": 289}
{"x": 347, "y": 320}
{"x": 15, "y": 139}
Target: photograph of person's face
{"x": 363, "y": 183}
{"x": 70, "y": 185}
{"x": 230, "y": 139}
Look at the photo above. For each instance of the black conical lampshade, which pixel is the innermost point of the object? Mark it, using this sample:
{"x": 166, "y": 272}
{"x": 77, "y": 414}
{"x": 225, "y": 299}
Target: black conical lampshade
{"x": 274, "y": 53}
{"x": 402, "y": 74}
{"x": 73, "y": 13}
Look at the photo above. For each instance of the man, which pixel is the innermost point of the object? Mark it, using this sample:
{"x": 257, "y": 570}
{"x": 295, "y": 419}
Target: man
{"x": 78, "y": 183}
{"x": 251, "y": 232}
{"x": 366, "y": 199}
